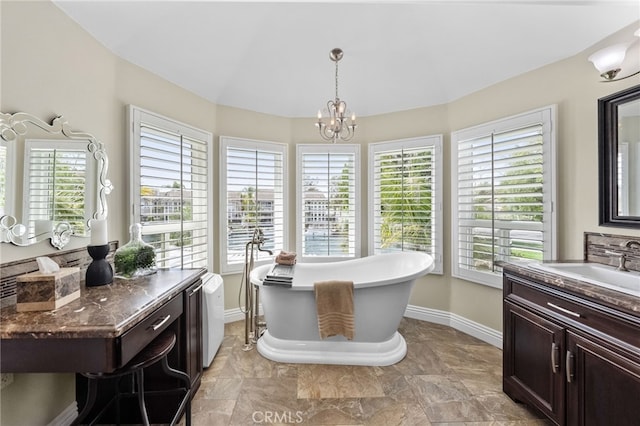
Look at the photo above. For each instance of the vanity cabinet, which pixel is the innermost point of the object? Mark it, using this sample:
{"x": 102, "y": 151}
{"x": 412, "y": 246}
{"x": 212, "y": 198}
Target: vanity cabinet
{"x": 603, "y": 386}
{"x": 532, "y": 353}
{"x": 577, "y": 361}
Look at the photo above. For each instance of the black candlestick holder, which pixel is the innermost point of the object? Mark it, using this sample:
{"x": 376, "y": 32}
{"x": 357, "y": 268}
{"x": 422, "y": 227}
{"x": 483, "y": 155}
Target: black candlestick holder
{"x": 99, "y": 271}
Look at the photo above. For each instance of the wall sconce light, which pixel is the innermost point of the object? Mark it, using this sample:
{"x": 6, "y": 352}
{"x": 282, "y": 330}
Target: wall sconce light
{"x": 610, "y": 61}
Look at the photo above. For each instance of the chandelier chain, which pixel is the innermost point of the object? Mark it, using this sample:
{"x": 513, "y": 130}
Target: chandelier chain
{"x": 337, "y": 80}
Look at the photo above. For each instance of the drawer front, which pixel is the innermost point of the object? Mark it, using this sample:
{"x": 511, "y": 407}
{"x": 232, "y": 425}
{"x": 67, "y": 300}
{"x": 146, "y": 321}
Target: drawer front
{"x": 599, "y": 320}
{"x": 148, "y": 329}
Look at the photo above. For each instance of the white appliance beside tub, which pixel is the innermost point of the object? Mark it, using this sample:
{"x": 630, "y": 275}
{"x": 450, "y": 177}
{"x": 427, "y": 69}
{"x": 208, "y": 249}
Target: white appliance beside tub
{"x": 212, "y": 316}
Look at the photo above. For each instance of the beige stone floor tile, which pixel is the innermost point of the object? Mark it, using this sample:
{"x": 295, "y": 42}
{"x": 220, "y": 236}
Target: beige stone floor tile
{"x": 242, "y": 364}
{"x": 465, "y": 410}
{"x": 265, "y": 398}
{"x": 438, "y": 389}
{"x": 536, "y": 422}
{"x": 397, "y": 387}
{"x": 502, "y": 407}
{"x": 337, "y": 381}
{"x": 390, "y": 411}
{"x": 420, "y": 360}
{"x": 332, "y": 411}
{"x": 211, "y": 412}
{"x": 447, "y": 378}
{"x": 235, "y": 328}
{"x": 480, "y": 382}
{"x": 221, "y": 388}
{"x": 413, "y": 331}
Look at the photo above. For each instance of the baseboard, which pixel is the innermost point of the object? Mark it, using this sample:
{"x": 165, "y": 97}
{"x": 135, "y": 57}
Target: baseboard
{"x": 233, "y": 315}
{"x": 482, "y": 332}
{"x": 67, "y": 416}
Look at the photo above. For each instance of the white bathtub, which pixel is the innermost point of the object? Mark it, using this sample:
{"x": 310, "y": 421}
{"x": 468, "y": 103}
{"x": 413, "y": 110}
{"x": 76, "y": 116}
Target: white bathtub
{"x": 382, "y": 285}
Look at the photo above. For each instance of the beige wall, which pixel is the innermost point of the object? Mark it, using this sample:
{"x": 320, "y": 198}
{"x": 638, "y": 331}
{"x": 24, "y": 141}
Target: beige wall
{"x": 50, "y": 66}
{"x": 573, "y": 85}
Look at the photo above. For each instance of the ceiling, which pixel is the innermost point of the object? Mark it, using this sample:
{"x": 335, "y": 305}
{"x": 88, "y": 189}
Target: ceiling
{"x": 273, "y": 57}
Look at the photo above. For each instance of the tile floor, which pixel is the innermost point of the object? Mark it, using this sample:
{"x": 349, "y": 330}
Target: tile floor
{"x": 447, "y": 377}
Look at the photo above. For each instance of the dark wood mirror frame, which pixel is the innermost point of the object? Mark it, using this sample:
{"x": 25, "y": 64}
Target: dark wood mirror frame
{"x": 607, "y": 158}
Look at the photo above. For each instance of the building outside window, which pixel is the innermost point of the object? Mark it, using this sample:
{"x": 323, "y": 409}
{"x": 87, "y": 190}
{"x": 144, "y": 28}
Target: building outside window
{"x": 328, "y": 201}
{"x": 253, "y": 195}
{"x": 170, "y": 188}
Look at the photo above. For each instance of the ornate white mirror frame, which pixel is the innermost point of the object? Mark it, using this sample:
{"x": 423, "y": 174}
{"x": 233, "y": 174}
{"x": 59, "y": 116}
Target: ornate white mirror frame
{"x": 14, "y": 129}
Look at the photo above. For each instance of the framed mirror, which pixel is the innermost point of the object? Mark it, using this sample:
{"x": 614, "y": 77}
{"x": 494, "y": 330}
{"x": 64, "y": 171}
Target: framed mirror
{"x": 53, "y": 180}
{"x": 619, "y": 158}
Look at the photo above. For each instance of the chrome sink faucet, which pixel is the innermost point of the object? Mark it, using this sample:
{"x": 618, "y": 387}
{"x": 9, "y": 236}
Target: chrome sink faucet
{"x": 622, "y": 259}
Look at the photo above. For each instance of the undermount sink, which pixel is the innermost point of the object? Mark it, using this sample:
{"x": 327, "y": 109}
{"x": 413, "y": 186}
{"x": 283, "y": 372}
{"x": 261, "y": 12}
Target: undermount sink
{"x": 595, "y": 273}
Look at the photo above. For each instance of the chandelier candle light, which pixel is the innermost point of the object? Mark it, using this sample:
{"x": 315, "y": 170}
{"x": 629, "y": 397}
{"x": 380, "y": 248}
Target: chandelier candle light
{"x": 339, "y": 126}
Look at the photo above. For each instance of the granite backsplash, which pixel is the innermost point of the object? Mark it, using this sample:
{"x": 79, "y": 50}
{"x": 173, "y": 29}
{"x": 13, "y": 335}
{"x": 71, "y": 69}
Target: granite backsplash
{"x": 10, "y": 270}
{"x": 597, "y": 245}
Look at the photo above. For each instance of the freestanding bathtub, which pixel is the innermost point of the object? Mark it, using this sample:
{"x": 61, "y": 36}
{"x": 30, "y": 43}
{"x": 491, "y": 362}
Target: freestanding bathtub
{"x": 382, "y": 285}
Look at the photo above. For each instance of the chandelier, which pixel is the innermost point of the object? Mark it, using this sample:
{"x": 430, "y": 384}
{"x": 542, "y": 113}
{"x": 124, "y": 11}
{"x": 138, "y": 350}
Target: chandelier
{"x": 338, "y": 125}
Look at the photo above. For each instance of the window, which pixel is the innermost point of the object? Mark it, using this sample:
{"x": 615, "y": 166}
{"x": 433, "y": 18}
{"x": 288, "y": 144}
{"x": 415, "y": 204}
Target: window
{"x": 170, "y": 189}
{"x": 503, "y": 195}
{"x": 253, "y": 196}
{"x": 56, "y": 176}
{"x": 405, "y": 196}
{"x": 328, "y": 201}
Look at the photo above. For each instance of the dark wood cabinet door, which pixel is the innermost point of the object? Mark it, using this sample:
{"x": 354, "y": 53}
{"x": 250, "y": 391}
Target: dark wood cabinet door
{"x": 533, "y": 366}
{"x": 193, "y": 334}
{"x": 603, "y": 387}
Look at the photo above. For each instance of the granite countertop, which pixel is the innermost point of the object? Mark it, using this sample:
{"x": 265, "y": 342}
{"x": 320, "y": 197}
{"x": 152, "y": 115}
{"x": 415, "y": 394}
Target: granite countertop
{"x": 100, "y": 312}
{"x": 622, "y": 301}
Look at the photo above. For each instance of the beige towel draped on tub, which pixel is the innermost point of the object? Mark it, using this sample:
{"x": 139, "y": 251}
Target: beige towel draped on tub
{"x": 334, "y": 306}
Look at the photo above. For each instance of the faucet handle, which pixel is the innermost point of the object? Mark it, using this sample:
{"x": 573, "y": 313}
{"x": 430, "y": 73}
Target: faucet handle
{"x": 631, "y": 243}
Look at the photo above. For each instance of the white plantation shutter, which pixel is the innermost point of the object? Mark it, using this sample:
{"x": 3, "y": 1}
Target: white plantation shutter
{"x": 405, "y": 195}
{"x": 253, "y": 193}
{"x": 57, "y": 176}
{"x": 171, "y": 189}
{"x": 504, "y": 195}
{"x": 622, "y": 179}
{"x": 6, "y": 161}
{"x": 328, "y": 201}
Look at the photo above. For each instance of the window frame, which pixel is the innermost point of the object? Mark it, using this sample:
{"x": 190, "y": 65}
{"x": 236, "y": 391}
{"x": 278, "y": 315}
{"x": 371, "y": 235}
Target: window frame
{"x": 547, "y": 116}
{"x": 258, "y": 145}
{"x": 437, "y": 210}
{"x": 136, "y": 116}
{"x": 301, "y": 150}
{"x": 9, "y": 178}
